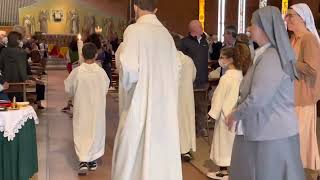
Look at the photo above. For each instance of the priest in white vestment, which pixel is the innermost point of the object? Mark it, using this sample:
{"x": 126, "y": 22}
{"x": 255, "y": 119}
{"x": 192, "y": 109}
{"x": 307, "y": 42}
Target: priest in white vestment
{"x": 186, "y": 109}
{"x": 147, "y": 142}
{"x": 88, "y": 85}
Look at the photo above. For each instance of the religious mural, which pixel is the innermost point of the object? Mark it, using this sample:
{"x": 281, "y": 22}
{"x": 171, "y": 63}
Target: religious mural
{"x": 43, "y": 20}
{"x": 89, "y": 24}
{"x": 69, "y": 17}
{"x": 57, "y": 15}
{"x": 74, "y": 21}
{"x": 29, "y": 23}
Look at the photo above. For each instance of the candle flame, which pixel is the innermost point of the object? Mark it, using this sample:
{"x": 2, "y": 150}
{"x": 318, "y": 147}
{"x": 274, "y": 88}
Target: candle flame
{"x": 79, "y": 36}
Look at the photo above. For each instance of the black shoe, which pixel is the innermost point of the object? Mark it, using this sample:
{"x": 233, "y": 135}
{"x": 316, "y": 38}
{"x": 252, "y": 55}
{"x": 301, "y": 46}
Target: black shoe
{"x": 217, "y": 175}
{"x": 93, "y": 165}
{"x": 65, "y": 109}
{"x": 40, "y": 107}
{"x": 186, "y": 157}
{"x": 83, "y": 169}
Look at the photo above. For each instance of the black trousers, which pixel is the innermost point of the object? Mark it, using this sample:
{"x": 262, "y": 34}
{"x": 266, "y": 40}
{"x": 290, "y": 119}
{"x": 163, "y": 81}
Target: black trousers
{"x": 40, "y": 91}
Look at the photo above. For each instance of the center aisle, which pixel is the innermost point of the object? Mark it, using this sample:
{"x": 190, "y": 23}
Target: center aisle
{"x": 57, "y": 158}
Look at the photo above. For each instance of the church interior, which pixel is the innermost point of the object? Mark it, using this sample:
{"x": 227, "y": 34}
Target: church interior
{"x": 36, "y": 136}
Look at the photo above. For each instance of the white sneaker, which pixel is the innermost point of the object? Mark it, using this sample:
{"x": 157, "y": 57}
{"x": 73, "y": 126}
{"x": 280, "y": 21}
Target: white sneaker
{"x": 217, "y": 175}
{"x": 83, "y": 169}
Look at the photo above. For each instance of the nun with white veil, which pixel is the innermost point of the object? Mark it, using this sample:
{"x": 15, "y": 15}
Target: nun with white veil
{"x": 266, "y": 146}
{"x": 305, "y": 42}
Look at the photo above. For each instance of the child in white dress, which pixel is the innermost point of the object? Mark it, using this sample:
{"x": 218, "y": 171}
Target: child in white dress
{"x": 224, "y": 99}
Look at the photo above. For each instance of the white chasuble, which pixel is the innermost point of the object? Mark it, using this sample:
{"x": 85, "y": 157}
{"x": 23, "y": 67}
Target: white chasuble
{"x": 147, "y": 142}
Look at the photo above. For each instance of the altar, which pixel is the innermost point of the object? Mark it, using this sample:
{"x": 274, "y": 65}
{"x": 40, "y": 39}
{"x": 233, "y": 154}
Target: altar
{"x": 58, "y": 43}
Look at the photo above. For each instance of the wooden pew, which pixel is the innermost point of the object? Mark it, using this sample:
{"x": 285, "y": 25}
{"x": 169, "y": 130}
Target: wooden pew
{"x": 18, "y": 88}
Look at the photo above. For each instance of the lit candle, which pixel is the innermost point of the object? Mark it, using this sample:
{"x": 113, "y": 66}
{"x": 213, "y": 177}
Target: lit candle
{"x": 80, "y": 45}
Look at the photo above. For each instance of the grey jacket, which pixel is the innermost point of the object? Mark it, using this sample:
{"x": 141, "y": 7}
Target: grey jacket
{"x": 266, "y": 105}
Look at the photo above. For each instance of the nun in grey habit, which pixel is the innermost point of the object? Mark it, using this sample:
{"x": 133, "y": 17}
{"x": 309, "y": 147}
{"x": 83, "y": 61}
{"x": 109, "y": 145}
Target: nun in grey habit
{"x": 266, "y": 146}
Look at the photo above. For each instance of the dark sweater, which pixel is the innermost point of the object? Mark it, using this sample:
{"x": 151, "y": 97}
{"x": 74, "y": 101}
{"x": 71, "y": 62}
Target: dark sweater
{"x": 13, "y": 64}
{"x": 198, "y": 52}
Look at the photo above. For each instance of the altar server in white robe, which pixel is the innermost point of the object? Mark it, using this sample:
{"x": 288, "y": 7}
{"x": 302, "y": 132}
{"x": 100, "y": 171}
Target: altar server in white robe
{"x": 224, "y": 99}
{"x": 88, "y": 85}
{"x": 187, "y": 74}
{"x": 147, "y": 142}
{"x": 186, "y": 104}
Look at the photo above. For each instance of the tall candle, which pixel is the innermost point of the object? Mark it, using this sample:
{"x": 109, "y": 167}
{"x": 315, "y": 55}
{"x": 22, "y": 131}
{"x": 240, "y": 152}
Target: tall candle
{"x": 80, "y": 45}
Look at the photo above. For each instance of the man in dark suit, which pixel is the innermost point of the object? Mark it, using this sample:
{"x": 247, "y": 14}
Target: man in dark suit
{"x": 216, "y": 47}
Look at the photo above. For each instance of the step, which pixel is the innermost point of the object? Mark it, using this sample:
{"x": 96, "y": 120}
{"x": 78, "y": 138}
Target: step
{"x": 56, "y": 67}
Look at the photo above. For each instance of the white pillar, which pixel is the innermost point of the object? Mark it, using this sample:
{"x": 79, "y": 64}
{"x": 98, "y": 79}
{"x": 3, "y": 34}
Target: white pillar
{"x": 221, "y": 19}
{"x": 242, "y": 16}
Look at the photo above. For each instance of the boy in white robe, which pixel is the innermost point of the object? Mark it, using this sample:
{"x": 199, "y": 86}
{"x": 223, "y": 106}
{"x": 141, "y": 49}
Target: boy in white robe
{"x": 88, "y": 85}
{"x": 147, "y": 143}
{"x": 224, "y": 99}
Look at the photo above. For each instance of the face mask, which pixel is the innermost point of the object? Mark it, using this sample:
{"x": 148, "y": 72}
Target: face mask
{"x": 222, "y": 64}
{"x": 248, "y": 34}
{"x": 20, "y": 44}
{"x": 5, "y": 40}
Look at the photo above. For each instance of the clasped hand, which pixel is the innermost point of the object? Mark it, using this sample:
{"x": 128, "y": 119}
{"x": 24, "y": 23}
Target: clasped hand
{"x": 230, "y": 120}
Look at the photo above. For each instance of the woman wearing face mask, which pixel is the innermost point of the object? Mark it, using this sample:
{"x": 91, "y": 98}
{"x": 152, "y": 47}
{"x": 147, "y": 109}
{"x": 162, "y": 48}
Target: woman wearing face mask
{"x": 225, "y": 97}
{"x": 305, "y": 42}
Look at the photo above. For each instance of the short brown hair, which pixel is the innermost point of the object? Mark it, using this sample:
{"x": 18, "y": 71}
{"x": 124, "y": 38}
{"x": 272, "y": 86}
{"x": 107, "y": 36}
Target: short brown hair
{"x": 242, "y": 38}
{"x": 148, "y": 5}
{"x": 89, "y": 51}
{"x": 13, "y": 39}
{"x": 231, "y": 29}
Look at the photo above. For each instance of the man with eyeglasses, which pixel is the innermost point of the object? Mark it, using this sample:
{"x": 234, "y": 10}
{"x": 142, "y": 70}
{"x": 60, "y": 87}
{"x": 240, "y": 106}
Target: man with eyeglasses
{"x": 230, "y": 36}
